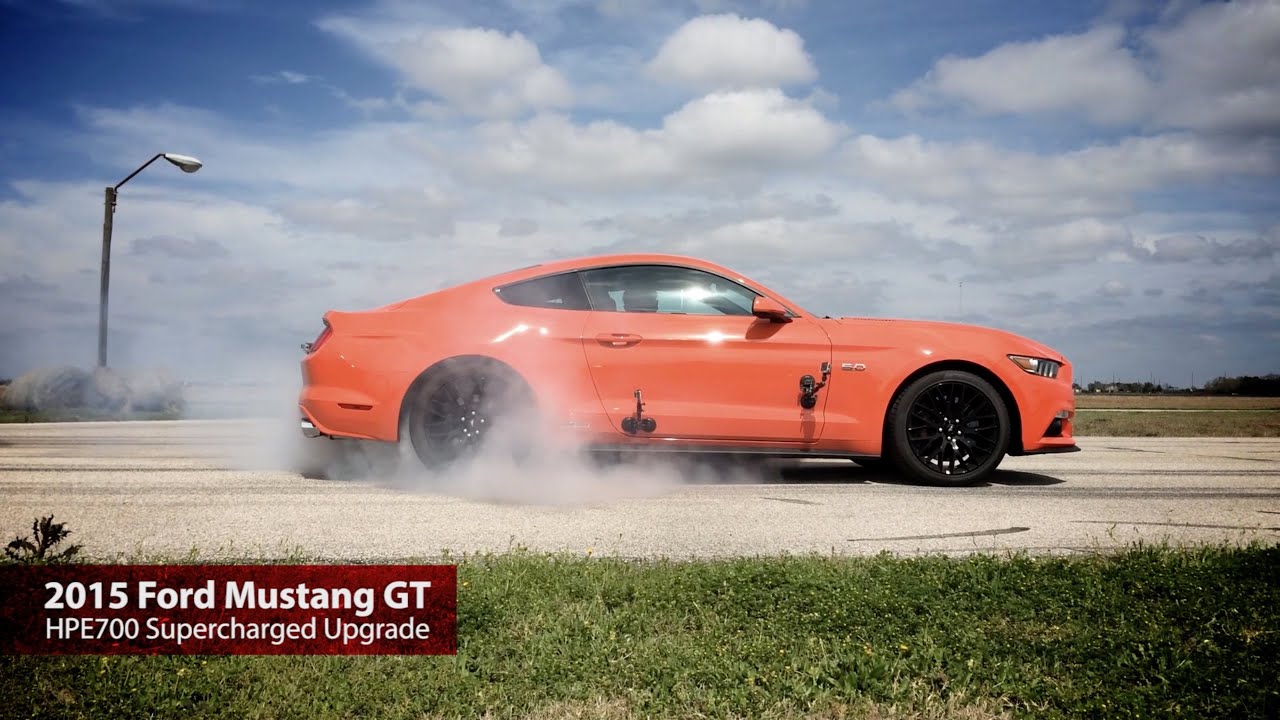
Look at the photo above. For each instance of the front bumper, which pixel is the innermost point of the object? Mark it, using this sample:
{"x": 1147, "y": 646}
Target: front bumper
{"x": 1054, "y": 449}
{"x": 1047, "y": 408}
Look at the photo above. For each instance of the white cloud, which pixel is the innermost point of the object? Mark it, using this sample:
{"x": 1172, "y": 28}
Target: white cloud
{"x": 481, "y": 72}
{"x": 1077, "y": 241}
{"x": 1219, "y": 68}
{"x": 722, "y": 51}
{"x": 1115, "y": 289}
{"x": 288, "y": 77}
{"x": 517, "y": 227}
{"x": 392, "y": 215}
{"x": 1218, "y": 248}
{"x": 476, "y": 71}
{"x": 750, "y": 127}
{"x": 551, "y": 149}
{"x": 747, "y": 131}
{"x": 1091, "y": 71}
{"x": 1101, "y": 179}
{"x": 1216, "y": 67}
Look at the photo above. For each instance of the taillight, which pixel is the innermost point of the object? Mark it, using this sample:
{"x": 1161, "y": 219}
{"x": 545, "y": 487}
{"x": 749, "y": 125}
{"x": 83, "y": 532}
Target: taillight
{"x": 315, "y": 345}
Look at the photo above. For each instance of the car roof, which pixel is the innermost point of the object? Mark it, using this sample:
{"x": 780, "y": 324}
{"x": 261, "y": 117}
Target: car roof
{"x": 593, "y": 261}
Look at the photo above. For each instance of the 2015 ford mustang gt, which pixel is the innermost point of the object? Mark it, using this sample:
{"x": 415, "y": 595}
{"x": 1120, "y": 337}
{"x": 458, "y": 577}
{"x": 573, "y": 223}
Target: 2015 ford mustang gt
{"x": 668, "y": 353}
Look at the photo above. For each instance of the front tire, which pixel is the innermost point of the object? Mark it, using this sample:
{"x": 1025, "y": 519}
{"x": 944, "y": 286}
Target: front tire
{"x": 468, "y": 405}
{"x": 949, "y": 428}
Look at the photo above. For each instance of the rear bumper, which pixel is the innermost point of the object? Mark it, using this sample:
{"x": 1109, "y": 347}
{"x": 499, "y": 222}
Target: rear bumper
{"x": 331, "y": 419}
{"x": 342, "y": 398}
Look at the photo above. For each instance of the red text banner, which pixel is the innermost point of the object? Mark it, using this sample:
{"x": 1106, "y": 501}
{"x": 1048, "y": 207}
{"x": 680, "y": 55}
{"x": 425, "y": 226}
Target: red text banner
{"x": 228, "y": 609}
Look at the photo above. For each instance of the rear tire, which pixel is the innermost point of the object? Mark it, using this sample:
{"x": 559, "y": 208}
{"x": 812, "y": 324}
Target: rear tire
{"x": 949, "y": 428}
{"x": 466, "y": 406}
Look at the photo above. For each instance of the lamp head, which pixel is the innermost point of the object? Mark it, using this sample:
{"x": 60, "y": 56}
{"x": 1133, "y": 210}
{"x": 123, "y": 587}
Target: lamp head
{"x": 186, "y": 163}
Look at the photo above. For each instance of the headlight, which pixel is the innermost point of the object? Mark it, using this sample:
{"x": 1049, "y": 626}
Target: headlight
{"x": 1037, "y": 366}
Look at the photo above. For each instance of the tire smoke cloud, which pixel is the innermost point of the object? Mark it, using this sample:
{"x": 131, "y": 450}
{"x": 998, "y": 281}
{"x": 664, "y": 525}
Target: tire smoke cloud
{"x": 507, "y": 469}
{"x": 102, "y": 391}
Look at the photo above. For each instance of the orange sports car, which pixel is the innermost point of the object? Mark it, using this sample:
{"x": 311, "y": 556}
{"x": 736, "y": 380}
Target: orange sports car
{"x": 667, "y": 353}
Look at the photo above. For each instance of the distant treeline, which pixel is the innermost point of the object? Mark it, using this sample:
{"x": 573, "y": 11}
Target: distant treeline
{"x": 1265, "y": 386}
{"x": 1251, "y": 385}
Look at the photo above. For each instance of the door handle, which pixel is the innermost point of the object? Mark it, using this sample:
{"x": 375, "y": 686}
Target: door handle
{"x": 618, "y": 340}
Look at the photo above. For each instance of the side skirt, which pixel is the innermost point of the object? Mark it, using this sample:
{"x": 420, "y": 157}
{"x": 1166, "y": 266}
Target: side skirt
{"x": 725, "y": 450}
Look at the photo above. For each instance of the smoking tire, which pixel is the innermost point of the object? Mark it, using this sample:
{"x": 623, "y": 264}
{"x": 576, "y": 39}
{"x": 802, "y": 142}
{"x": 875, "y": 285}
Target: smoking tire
{"x": 465, "y": 405}
{"x": 948, "y": 428}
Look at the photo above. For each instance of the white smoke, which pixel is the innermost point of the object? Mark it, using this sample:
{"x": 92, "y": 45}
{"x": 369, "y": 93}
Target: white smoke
{"x": 102, "y": 391}
{"x": 551, "y": 470}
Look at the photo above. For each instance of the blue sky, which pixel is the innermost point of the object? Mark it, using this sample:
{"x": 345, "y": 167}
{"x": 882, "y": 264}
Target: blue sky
{"x": 1101, "y": 176}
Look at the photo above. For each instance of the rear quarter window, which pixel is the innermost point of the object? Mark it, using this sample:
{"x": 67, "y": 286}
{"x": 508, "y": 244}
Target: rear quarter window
{"x": 559, "y": 292}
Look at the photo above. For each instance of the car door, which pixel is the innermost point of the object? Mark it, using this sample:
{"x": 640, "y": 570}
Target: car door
{"x": 705, "y": 366}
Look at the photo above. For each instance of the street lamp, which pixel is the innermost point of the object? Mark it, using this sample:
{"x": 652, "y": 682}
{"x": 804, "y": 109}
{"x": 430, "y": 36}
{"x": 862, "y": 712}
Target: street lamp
{"x": 187, "y": 164}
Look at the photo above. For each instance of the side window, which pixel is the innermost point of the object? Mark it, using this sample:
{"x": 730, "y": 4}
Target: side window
{"x": 665, "y": 289}
{"x": 561, "y": 292}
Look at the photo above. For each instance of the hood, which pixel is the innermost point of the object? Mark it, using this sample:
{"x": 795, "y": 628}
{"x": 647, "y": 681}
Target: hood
{"x": 892, "y": 332}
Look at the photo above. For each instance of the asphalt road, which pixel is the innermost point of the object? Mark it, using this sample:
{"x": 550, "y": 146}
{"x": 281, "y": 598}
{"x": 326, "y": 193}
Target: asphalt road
{"x": 231, "y": 489}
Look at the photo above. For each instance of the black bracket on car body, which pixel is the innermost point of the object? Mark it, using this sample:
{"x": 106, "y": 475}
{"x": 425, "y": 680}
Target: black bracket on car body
{"x": 638, "y": 422}
{"x": 809, "y": 387}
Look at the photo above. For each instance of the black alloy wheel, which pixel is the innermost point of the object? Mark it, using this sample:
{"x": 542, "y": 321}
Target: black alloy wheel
{"x": 949, "y": 428}
{"x": 465, "y": 404}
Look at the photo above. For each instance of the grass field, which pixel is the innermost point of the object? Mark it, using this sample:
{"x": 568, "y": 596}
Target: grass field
{"x": 1090, "y": 401}
{"x": 1189, "y": 416}
{"x": 1241, "y": 423}
{"x": 1149, "y": 632}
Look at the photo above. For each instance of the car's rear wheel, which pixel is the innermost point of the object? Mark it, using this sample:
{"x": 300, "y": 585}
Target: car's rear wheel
{"x": 949, "y": 428}
{"x": 468, "y": 405}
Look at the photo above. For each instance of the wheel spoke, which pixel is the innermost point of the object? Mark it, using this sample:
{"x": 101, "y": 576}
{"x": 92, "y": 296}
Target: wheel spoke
{"x": 927, "y": 415}
{"x": 973, "y": 405}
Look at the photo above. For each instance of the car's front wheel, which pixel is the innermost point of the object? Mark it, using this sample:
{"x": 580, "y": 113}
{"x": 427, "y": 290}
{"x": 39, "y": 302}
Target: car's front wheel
{"x": 949, "y": 427}
{"x": 468, "y": 405}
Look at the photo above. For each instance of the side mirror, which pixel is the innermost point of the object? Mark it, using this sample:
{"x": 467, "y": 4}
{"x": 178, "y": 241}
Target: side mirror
{"x": 769, "y": 309}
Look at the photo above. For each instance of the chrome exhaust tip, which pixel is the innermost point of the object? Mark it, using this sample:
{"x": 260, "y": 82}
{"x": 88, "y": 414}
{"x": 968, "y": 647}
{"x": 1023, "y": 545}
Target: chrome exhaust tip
{"x": 310, "y": 430}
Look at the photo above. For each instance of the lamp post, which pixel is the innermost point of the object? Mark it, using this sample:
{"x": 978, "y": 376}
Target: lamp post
{"x": 187, "y": 164}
